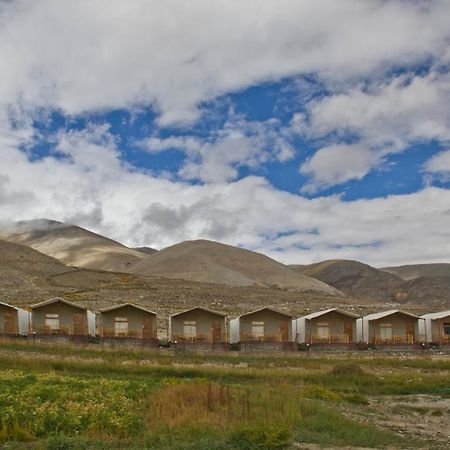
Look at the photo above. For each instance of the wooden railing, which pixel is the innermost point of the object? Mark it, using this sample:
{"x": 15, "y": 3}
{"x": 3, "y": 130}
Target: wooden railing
{"x": 442, "y": 338}
{"x": 200, "y": 338}
{"x": 61, "y": 331}
{"x": 330, "y": 339}
{"x": 397, "y": 339}
{"x": 130, "y": 333}
{"x": 257, "y": 337}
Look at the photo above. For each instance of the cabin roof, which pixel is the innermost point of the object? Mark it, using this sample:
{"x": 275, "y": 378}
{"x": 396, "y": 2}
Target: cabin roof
{"x": 436, "y": 315}
{"x": 8, "y": 305}
{"x": 123, "y": 305}
{"x": 57, "y": 300}
{"x": 380, "y": 315}
{"x": 202, "y": 309}
{"x": 326, "y": 311}
{"x": 268, "y": 308}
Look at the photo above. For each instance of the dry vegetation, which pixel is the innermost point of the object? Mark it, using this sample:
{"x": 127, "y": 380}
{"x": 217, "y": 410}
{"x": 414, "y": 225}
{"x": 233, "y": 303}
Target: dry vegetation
{"x": 71, "y": 397}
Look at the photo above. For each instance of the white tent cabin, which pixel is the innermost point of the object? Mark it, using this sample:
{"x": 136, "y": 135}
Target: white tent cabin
{"x": 263, "y": 325}
{"x": 14, "y": 321}
{"x": 329, "y": 326}
{"x": 436, "y": 327}
{"x": 389, "y": 327}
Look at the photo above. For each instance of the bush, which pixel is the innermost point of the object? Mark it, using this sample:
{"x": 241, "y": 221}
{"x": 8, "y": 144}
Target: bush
{"x": 347, "y": 369}
{"x": 263, "y": 438}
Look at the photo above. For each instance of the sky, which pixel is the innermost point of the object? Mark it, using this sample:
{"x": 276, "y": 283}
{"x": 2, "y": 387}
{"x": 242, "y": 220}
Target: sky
{"x": 305, "y": 130}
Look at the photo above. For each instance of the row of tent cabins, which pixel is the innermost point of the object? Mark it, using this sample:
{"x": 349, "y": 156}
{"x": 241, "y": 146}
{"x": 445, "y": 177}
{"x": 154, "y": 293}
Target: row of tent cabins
{"x": 60, "y": 317}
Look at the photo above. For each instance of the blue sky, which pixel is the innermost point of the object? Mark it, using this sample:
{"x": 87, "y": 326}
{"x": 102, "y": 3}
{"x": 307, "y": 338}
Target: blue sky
{"x": 312, "y": 131}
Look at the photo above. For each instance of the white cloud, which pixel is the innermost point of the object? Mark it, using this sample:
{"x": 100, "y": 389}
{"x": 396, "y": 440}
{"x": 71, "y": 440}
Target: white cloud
{"x": 391, "y": 114}
{"x": 218, "y": 157}
{"x": 336, "y": 164}
{"x": 439, "y": 164}
{"x": 385, "y": 118}
{"x": 91, "y": 55}
{"x": 139, "y": 209}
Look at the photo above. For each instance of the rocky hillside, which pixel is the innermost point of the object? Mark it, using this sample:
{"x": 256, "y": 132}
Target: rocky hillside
{"x": 72, "y": 245}
{"x": 212, "y": 262}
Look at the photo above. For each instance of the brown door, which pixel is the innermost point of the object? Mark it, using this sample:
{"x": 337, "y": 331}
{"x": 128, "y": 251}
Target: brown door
{"x": 348, "y": 331}
{"x": 10, "y": 326}
{"x": 410, "y": 332}
{"x": 216, "y": 331}
{"x": 284, "y": 332}
{"x": 147, "y": 328}
{"x": 79, "y": 324}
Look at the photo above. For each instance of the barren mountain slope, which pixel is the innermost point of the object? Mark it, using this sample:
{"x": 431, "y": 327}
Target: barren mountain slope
{"x": 212, "y": 262}
{"x": 145, "y": 250}
{"x": 354, "y": 278}
{"x": 413, "y": 271}
{"x": 72, "y": 245}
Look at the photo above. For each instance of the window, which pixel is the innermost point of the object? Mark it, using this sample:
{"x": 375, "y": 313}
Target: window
{"x": 323, "y": 330}
{"x": 258, "y": 329}
{"x": 190, "y": 328}
{"x": 385, "y": 331}
{"x": 121, "y": 326}
{"x": 446, "y": 326}
{"x": 52, "y": 321}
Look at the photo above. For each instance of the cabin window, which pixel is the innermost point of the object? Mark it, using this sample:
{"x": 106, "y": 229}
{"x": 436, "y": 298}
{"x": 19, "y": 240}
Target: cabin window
{"x": 52, "y": 321}
{"x": 258, "y": 329}
{"x": 446, "y": 326}
{"x": 385, "y": 331}
{"x": 323, "y": 330}
{"x": 121, "y": 326}
{"x": 190, "y": 328}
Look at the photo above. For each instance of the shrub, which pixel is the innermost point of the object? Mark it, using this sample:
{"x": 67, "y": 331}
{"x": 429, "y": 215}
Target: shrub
{"x": 347, "y": 369}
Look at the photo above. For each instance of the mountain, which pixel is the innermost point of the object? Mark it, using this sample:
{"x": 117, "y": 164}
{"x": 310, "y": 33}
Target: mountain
{"x": 410, "y": 272}
{"x": 354, "y": 278}
{"x": 213, "y": 262}
{"x": 431, "y": 291}
{"x": 145, "y": 250}
{"x": 72, "y": 245}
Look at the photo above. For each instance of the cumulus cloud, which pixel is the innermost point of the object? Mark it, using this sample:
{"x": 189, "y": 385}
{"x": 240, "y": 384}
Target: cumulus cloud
{"x": 93, "y": 55}
{"x": 139, "y": 209}
{"x": 336, "y": 164}
{"x": 218, "y": 156}
{"x": 385, "y": 117}
{"x": 439, "y": 164}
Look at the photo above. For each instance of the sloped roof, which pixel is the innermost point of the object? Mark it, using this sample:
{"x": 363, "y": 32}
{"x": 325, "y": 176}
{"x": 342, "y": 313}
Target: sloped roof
{"x": 268, "y": 308}
{"x": 326, "y": 311}
{"x": 58, "y": 300}
{"x": 8, "y": 305}
{"x": 123, "y": 305}
{"x": 202, "y": 309}
{"x": 380, "y": 315}
{"x": 436, "y": 315}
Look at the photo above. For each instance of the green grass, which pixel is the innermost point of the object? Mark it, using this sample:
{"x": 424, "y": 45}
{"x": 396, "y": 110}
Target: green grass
{"x": 63, "y": 397}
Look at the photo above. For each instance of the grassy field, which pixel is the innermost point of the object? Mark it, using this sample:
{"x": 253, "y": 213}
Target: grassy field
{"x": 68, "y": 397}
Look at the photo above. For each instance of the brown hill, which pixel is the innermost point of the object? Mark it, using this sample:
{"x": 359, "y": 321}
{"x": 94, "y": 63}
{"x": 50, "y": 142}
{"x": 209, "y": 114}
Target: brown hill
{"x": 410, "y": 272}
{"x": 212, "y": 262}
{"x": 354, "y": 278}
{"x": 145, "y": 250}
{"x": 431, "y": 291}
{"x": 72, "y": 245}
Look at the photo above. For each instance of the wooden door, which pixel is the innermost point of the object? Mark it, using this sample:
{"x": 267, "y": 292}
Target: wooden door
{"x": 410, "y": 332}
{"x": 147, "y": 328}
{"x": 79, "y": 324}
{"x": 216, "y": 331}
{"x": 284, "y": 331}
{"x": 348, "y": 331}
{"x": 10, "y": 323}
